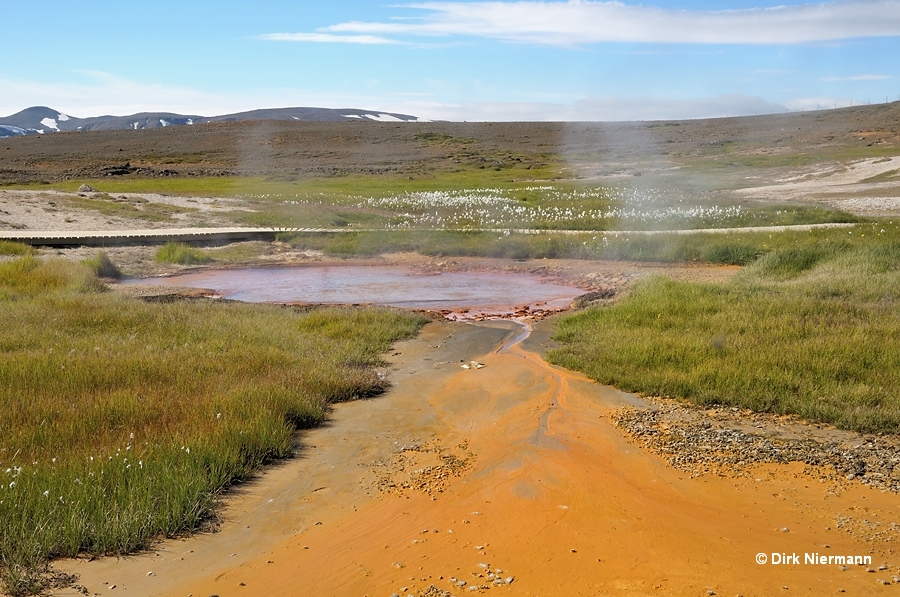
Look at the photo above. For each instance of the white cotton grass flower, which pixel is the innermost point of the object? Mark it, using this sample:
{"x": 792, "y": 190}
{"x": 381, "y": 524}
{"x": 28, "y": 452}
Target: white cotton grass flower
{"x": 499, "y": 208}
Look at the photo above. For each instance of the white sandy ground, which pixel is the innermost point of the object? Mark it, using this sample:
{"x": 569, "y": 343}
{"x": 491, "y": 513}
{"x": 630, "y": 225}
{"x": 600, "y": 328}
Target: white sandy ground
{"x": 840, "y": 186}
{"x": 49, "y": 210}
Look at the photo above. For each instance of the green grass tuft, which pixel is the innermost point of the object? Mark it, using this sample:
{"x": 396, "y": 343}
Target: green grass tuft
{"x": 102, "y": 266}
{"x": 13, "y": 248}
{"x": 182, "y": 254}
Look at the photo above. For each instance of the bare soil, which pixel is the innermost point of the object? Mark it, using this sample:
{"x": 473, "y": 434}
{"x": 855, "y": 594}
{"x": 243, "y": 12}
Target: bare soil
{"x": 513, "y": 479}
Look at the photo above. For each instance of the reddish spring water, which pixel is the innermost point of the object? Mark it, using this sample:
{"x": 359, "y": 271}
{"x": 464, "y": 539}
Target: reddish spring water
{"x": 469, "y": 294}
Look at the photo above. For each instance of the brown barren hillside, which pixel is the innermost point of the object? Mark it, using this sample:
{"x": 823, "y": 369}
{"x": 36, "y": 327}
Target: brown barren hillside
{"x": 723, "y": 147}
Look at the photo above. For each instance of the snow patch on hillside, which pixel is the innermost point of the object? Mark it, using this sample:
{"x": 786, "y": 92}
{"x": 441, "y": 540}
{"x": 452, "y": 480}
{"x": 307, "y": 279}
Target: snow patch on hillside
{"x": 8, "y": 130}
{"x": 383, "y": 118}
{"x": 50, "y": 123}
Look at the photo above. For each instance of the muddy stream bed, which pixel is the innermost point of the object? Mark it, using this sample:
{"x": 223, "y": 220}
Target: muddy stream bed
{"x": 507, "y": 478}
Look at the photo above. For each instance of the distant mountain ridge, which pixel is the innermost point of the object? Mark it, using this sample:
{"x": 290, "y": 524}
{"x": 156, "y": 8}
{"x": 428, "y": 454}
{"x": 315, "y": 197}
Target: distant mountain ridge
{"x": 39, "y": 120}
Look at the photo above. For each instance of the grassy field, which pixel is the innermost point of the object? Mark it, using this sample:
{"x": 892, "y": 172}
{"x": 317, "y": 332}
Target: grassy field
{"x": 123, "y": 420}
{"x": 455, "y": 201}
{"x": 810, "y": 328}
{"x": 731, "y": 248}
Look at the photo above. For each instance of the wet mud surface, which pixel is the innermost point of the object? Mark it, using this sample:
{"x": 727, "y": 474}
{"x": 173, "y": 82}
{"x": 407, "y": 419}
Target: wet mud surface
{"x": 511, "y": 478}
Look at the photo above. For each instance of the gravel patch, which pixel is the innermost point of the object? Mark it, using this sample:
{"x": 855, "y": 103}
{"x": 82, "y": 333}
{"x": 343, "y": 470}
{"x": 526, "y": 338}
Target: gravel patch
{"x": 728, "y": 441}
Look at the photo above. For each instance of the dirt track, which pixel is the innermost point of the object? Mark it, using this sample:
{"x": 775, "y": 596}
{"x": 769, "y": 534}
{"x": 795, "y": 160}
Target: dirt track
{"x": 510, "y": 471}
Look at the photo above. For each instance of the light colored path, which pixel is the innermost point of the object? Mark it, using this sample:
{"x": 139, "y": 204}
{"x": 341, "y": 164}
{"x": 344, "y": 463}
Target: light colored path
{"x": 109, "y": 237}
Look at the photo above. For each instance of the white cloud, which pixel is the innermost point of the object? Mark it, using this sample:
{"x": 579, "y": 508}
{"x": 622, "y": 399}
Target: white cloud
{"x": 858, "y": 78}
{"x": 817, "y": 103}
{"x": 598, "y": 109}
{"x": 122, "y": 96}
{"x": 94, "y": 93}
{"x": 330, "y": 38}
{"x": 580, "y": 22}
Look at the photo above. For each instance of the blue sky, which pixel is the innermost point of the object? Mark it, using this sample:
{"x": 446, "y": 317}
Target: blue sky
{"x": 461, "y": 60}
